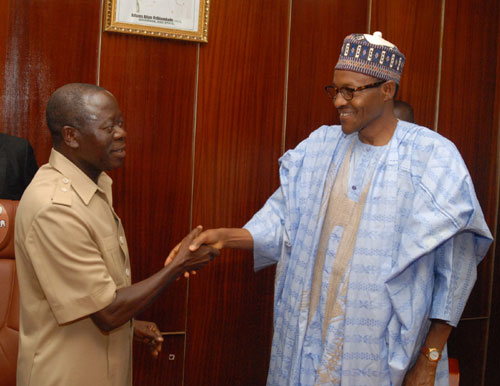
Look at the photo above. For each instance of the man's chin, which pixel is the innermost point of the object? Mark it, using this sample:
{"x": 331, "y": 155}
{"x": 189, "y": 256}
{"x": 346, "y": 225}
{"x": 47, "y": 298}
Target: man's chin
{"x": 117, "y": 163}
{"x": 348, "y": 129}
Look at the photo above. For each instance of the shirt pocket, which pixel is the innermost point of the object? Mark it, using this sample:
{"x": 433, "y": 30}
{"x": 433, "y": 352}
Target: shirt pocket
{"x": 115, "y": 260}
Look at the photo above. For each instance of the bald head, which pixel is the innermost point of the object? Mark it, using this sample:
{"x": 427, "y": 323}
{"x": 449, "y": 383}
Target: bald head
{"x": 67, "y": 107}
{"x": 403, "y": 111}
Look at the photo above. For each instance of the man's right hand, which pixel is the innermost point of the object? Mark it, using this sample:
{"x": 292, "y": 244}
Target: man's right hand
{"x": 219, "y": 238}
{"x": 191, "y": 260}
{"x": 213, "y": 237}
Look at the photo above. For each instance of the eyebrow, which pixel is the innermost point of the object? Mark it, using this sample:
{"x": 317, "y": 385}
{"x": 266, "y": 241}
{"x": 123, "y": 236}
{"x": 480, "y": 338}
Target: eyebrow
{"x": 346, "y": 85}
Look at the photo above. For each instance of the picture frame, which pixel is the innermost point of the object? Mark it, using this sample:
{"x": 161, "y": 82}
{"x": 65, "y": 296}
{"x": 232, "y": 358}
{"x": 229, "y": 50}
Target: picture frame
{"x": 173, "y": 19}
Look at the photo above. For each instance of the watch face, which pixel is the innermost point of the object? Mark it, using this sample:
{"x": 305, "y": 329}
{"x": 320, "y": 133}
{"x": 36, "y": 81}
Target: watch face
{"x": 434, "y": 355}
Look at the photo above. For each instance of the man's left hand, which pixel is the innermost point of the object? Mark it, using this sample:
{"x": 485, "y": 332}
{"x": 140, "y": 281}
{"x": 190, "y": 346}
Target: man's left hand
{"x": 148, "y": 332}
{"x": 423, "y": 373}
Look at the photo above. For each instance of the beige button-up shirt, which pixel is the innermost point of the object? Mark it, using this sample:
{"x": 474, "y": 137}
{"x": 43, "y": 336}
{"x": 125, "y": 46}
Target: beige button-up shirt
{"x": 71, "y": 256}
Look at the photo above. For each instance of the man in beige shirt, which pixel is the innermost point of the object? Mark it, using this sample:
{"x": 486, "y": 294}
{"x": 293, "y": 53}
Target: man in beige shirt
{"x": 77, "y": 300}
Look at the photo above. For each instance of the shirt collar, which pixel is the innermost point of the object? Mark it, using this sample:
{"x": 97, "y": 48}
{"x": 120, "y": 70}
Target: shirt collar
{"x": 81, "y": 183}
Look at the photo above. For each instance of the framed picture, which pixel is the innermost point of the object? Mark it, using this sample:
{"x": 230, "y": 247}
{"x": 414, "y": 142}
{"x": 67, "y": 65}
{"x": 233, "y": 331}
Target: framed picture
{"x": 175, "y": 19}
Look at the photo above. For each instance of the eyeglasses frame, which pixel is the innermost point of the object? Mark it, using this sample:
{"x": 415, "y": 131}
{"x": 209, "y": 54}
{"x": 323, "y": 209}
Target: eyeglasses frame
{"x": 351, "y": 90}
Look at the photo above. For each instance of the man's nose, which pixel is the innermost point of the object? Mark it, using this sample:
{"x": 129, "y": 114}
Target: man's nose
{"x": 339, "y": 100}
{"x": 119, "y": 132}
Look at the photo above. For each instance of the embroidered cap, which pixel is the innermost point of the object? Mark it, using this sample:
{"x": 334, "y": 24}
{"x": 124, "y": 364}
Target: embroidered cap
{"x": 371, "y": 55}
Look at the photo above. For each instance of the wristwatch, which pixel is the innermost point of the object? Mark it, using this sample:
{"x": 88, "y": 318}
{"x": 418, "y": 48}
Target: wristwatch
{"x": 431, "y": 353}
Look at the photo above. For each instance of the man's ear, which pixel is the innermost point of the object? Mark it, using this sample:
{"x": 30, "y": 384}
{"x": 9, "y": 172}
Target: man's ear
{"x": 70, "y": 136}
{"x": 389, "y": 90}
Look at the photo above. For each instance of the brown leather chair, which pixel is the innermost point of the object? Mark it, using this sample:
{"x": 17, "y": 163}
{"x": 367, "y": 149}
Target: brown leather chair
{"x": 454, "y": 372}
{"x": 9, "y": 295}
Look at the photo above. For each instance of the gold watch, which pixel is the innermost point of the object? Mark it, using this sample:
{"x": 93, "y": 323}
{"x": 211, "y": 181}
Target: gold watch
{"x": 431, "y": 353}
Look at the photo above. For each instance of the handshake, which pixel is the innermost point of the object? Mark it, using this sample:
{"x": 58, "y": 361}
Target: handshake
{"x": 191, "y": 254}
{"x": 199, "y": 247}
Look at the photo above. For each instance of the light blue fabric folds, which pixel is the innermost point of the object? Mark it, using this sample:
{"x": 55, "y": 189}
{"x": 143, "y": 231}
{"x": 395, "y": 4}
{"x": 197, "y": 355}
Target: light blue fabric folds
{"x": 421, "y": 235}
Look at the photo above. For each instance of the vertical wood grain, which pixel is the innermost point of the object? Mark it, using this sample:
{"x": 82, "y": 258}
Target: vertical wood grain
{"x": 4, "y": 39}
{"x": 492, "y": 375}
{"x": 466, "y": 112}
{"x": 318, "y": 29}
{"x": 468, "y": 90}
{"x": 46, "y": 48}
{"x": 166, "y": 369}
{"x": 467, "y": 343}
{"x": 239, "y": 131}
{"x": 466, "y": 116}
{"x": 414, "y": 27}
{"x": 154, "y": 82}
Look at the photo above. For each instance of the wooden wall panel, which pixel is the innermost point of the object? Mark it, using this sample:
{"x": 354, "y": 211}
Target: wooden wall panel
{"x": 466, "y": 111}
{"x": 492, "y": 375}
{"x": 4, "y": 41}
{"x": 238, "y": 141}
{"x": 154, "y": 82}
{"x": 467, "y": 343}
{"x": 414, "y": 27}
{"x": 466, "y": 116}
{"x": 46, "y": 47}
{"x": 318, "y": 29}
{"x": 166, "y": 369}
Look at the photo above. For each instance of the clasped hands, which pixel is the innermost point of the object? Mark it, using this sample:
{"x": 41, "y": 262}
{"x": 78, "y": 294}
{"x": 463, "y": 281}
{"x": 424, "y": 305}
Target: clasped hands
{"x": 193, "y": 253}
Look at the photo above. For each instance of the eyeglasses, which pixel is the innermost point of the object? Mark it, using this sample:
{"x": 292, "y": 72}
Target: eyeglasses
{"x": 348, "y": 92}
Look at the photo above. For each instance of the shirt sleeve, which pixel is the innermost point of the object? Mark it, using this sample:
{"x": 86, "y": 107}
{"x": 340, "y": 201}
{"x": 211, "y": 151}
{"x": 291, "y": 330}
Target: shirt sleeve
{"x": 68, "y": 264}
{"x": 266, "y": 228}
{"x": 274, "y": 226}
{"x": 445, "y": 236}
{"x": 457, "y": 218}
{"x": 454, "y": 276}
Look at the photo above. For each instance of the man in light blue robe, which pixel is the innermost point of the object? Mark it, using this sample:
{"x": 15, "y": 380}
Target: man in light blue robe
{"x": 377, "y": 232}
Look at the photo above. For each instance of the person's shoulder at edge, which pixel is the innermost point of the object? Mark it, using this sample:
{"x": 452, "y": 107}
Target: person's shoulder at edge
{"x": 7, "y": 140}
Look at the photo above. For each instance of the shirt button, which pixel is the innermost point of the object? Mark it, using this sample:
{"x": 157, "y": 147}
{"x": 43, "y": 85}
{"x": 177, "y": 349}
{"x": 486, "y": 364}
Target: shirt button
{"x": 354, "y": 187}
{"x": 65, "y": 180}
{"x": 127, "y": 271}
{"x": 64, "y": 189}
{"x": 122, "y": 240}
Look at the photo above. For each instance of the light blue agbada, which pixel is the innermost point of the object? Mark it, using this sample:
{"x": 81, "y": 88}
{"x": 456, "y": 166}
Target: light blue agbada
{"x": 421, "y": 235}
